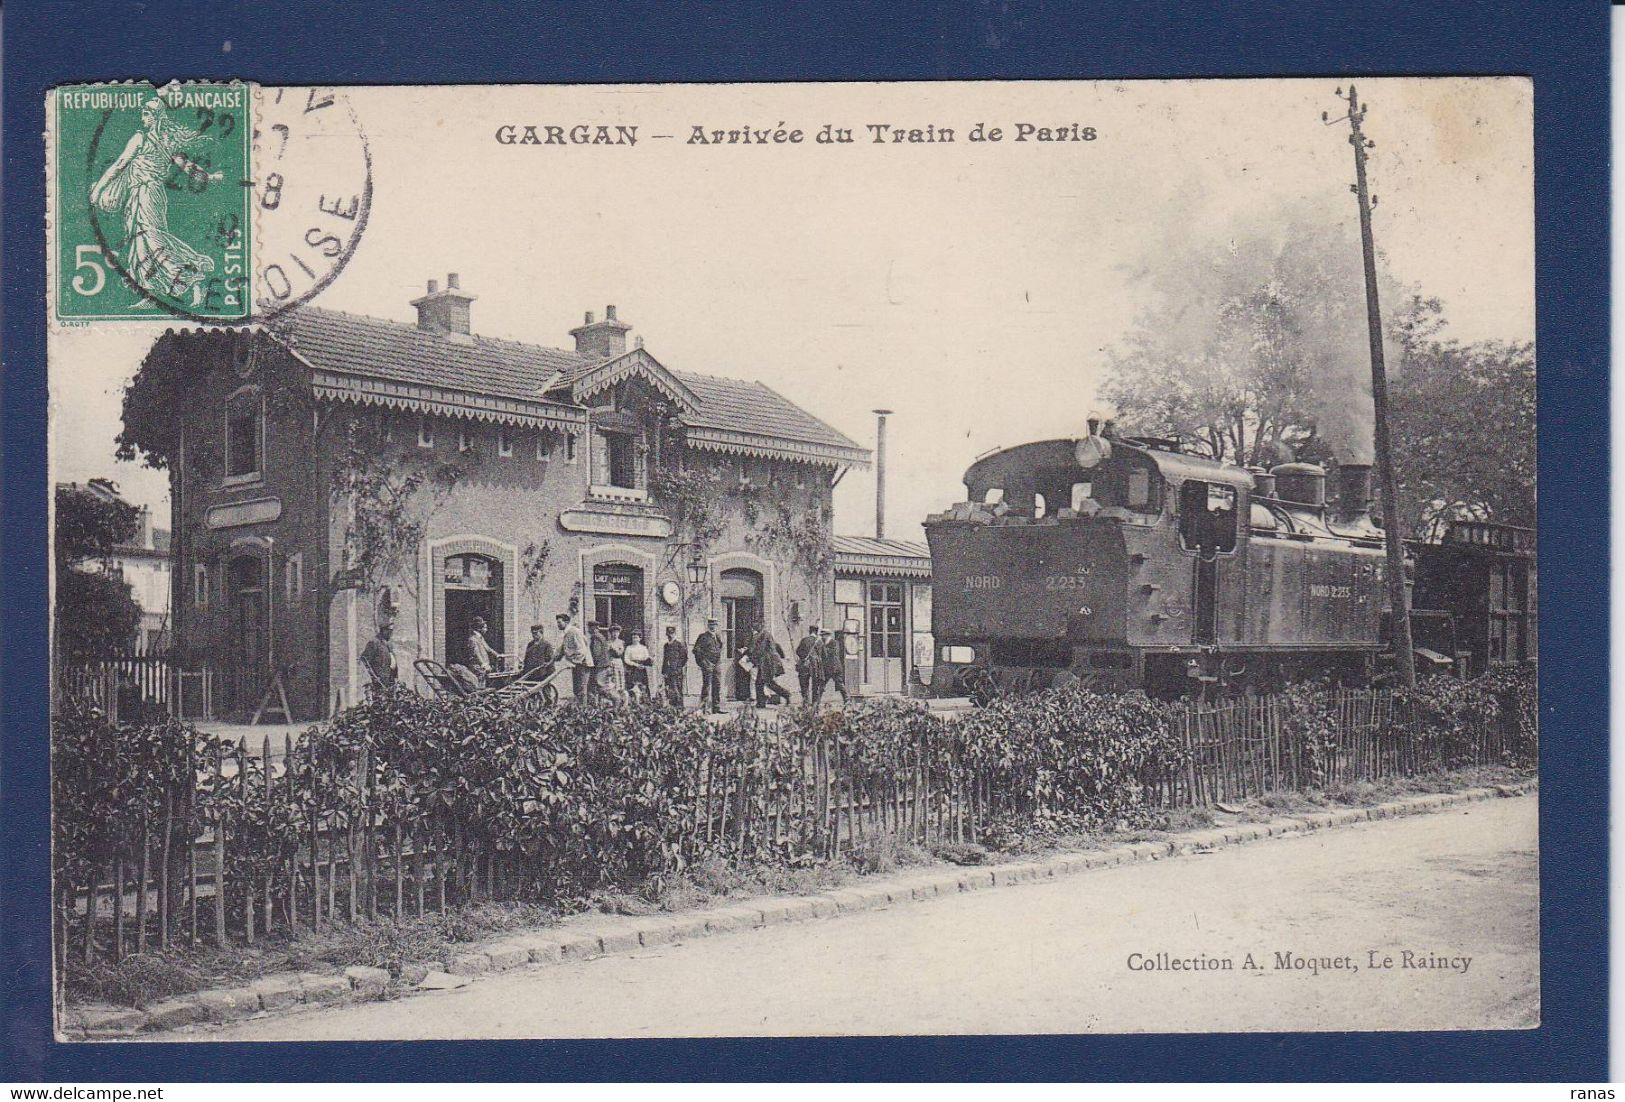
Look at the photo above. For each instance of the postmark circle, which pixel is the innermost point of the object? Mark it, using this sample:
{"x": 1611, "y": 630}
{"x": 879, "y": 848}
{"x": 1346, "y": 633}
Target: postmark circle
{"x": 312, "y": 194}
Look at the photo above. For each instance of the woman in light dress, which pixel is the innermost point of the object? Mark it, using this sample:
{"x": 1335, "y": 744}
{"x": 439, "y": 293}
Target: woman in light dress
{"x": 160, "y": 263}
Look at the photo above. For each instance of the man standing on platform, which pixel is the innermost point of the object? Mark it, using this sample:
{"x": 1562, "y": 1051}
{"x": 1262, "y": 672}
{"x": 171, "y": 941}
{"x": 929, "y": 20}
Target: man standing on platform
{"x": 538, "y": 661}
{"x": 673, "y": 665}
{"x": 576, "y": 651}
{"x": 834, "y": 651}
{"x": 379, "y": 657}
{"x": 809, "y": 663}
{"x": 708, "y": 657}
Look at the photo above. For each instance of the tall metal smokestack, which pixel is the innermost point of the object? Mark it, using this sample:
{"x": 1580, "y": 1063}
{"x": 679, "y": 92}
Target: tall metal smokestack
{"x": 880, "y": 472}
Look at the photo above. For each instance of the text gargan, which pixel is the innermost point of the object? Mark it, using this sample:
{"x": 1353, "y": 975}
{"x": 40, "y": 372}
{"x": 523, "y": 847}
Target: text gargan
{"x": 579, "y": 134}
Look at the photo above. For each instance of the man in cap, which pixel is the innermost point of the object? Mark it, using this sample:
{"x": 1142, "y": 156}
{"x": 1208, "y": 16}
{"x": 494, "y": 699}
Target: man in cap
{"x": 538, "y": 661}
{"x": 708, "y": 657}
{"x": 808, "y": 664}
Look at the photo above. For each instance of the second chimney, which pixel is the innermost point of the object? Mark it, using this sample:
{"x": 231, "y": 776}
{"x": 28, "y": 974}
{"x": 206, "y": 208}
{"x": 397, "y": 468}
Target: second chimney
{"x": 603, "y": 340}
{"x": 445, "y": 312}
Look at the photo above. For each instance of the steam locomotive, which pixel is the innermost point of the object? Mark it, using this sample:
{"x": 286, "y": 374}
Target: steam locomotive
{"x": 1124, "y": 563}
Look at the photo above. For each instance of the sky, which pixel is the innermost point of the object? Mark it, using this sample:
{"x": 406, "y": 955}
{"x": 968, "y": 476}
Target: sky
{"x": 974, "y": 288}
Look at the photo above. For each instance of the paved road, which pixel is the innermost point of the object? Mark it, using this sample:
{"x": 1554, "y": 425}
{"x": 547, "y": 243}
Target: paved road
{"x": 1059, "y": 956}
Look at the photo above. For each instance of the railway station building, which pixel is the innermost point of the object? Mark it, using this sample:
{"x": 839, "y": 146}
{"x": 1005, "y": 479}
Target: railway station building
{"x": 334, "y": 472}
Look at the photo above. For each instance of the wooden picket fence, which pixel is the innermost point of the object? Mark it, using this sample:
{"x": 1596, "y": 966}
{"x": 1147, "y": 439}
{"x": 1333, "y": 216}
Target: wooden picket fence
{"x": 151, "y": 679}
{"x": 1243, "y": 749}
{"x": 361, "y": 850}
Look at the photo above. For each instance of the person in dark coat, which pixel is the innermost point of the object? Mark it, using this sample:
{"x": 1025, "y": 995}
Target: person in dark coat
{"x": 708, "y": 657}
{"x": 768, "y": 656}
{"x": 835, "y": 661}
{"x": 744, "y": 667}
{"x": 809, "y": 662}
{"x": 538, "y": 660}
{"x": 379, "y": 657}
{"x": 598, "y": 643}
{"x": 673, "y": 664}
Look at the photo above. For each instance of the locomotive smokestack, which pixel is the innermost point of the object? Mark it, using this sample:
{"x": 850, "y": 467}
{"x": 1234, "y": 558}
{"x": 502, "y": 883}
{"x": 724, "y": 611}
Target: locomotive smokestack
{"x": 880, "y": 472}
{"x": 1353, "y": 491}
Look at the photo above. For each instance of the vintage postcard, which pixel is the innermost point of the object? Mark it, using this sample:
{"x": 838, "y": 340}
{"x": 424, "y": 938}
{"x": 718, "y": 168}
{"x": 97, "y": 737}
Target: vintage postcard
{"x": 797, "y": 559}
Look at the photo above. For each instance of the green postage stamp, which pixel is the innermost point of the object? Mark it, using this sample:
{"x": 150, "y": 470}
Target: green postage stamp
{"x": 152, "y": 202}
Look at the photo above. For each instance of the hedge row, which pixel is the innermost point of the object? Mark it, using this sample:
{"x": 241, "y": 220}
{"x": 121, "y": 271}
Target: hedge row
{"x": 460, "y": 800}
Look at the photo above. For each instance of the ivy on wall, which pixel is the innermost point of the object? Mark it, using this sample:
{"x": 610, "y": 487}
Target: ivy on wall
{"x": 379, "y": 485}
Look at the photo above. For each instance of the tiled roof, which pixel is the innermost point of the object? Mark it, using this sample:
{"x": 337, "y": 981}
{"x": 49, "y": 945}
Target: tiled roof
{"x": 734, "y": 405}
{"x": 733, "y": 415}
{"x": 353, "y": 344}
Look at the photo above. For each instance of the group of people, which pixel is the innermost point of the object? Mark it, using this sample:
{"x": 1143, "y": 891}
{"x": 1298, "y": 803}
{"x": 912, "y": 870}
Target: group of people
{"x": 606, "y": 662}
{"x": 759, "y": 663}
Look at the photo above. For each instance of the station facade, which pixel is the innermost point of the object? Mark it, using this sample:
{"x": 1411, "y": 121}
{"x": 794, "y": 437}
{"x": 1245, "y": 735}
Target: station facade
{"x": 334, "y": 472}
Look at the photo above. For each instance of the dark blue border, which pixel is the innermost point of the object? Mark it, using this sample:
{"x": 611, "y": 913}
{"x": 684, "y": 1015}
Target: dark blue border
{"x": 1562, "y": 45}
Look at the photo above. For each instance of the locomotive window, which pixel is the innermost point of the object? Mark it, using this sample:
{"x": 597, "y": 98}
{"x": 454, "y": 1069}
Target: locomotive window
{"x": 1040, "y": 506}
{"x": 1207, "y": 516}
{"x": 1139, "y": 488}
{"x": 1080, "y": 494}
{"x": 994, "y": 495}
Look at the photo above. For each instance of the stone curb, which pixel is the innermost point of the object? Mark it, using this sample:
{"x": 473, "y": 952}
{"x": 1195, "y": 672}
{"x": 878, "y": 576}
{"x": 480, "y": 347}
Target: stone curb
{"x": 586, "y": 937}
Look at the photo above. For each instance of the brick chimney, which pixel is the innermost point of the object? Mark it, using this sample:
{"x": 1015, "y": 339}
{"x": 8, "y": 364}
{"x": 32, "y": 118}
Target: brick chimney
{"x": 604, "y": 339}
{"x": 444, "y": 312}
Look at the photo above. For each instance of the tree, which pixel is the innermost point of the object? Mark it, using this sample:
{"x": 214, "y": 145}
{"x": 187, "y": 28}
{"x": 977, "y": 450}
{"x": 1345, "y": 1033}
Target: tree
{"x": 1464, "y": 432}
{"x": 1252, "y": 347}
{"x": 96, "y": 612}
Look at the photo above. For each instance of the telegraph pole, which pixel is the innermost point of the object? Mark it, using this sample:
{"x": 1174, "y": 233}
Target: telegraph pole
{"x": 1400, "y": 615}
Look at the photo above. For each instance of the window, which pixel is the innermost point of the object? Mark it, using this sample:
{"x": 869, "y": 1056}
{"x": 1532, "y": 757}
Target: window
{"x": 885, "y": 620}
{"x": 425, "y": 432}
{"x": 570, "y": 448}
{"x": 465, "y": 439}
{"x": 1040, "y": 506}
{"x": 1080, "y": 493}
{"x": 245, "y": 436}
{"x": 1207, "y": 516}
{"x": 293, "y": 577}
{"x": 200, "y": 586}
{"x": 622, "y": 455}
{"x": 1139, "y": 488}
{"x": 1509, "y": 633}
{"x": 994, "y": 495}
{"x": 544, "y": 448}
{"x": 504, "y": 442}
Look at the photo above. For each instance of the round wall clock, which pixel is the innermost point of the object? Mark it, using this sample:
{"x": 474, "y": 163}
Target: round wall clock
{"x": 670, "y": 593}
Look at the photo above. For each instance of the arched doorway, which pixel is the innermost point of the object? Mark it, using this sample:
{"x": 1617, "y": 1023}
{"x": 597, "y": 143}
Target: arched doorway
{"x": 741, "y": 594}
{"x": 473, "y": 587}
{"x": 248, "y": 644}
{"x": 617, "y": 597}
